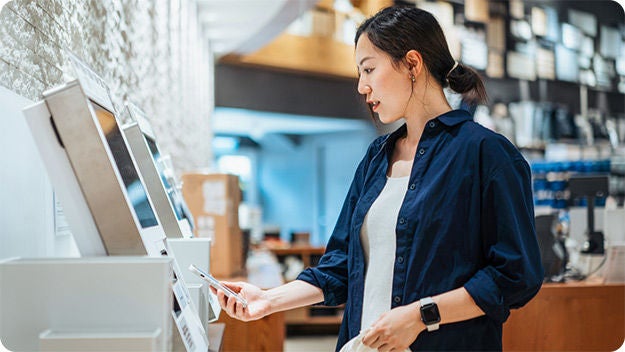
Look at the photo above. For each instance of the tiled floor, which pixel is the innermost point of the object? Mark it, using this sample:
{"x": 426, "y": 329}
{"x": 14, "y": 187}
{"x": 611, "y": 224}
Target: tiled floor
{"x": 313, "y": 343}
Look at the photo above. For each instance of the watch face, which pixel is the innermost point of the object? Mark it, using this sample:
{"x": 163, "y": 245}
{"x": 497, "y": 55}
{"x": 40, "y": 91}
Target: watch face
{"x": 430, "y": 314}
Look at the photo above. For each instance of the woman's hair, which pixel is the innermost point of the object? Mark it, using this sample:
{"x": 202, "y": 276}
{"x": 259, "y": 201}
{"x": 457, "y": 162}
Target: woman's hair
{"x": 399, "y": 29}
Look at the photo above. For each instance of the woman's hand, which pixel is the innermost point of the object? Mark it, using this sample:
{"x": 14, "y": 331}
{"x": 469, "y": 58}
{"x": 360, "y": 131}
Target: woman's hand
{"x": 395, "y": 330}
{"x": 258, "y": 305}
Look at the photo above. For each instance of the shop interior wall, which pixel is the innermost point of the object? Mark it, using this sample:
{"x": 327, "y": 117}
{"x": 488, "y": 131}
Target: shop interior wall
{"x": 150, "y": 52}
{"x": 268, "y": 90}
{"x": 321, "y": 96}
{"x": 261, "y": 89}
{"x": 302, "y": 187}
{"x": 286, "y": 174}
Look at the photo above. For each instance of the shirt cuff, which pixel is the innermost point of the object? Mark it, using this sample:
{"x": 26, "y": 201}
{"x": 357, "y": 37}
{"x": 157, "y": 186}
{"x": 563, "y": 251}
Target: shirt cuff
{"x": 334, "y": 292}
{"x": 487, "y": 296}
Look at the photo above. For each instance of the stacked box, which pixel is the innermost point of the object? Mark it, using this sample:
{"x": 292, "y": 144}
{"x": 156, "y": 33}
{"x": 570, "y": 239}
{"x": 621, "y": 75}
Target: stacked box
{"x": 214, "y": 202}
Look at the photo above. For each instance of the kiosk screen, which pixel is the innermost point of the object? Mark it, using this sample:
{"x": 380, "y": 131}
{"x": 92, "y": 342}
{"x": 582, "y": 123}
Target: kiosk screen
{"x": 132, "y": 182}
{"x": 171, "y": 192}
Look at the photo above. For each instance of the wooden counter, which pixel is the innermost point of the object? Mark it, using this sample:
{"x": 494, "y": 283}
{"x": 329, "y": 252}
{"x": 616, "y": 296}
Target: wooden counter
{"x": 578, "y": 316}
{"x": 266, "y": 334}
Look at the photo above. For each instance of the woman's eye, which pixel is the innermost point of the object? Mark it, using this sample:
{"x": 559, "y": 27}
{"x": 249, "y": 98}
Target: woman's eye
{"x": 367, "y": 70}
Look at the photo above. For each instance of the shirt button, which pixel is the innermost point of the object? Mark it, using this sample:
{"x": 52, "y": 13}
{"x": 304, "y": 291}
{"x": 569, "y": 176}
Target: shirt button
{"x": 400, "y": 260}
{"x": 402, "y": 221}
{"x": 421, "y": 151}
{"x": 432, "y": 124}
{"x": 413, "y": 186}
{"x": 397, "y": 299}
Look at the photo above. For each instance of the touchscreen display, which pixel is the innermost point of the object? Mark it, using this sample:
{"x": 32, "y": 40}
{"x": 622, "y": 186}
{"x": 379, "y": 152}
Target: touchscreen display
{"x": 171, "y": 193}
{"x": 132, "y": 182}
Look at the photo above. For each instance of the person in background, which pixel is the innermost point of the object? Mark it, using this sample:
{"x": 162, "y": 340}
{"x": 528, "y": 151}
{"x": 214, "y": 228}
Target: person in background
{"x": 435, "y": 242}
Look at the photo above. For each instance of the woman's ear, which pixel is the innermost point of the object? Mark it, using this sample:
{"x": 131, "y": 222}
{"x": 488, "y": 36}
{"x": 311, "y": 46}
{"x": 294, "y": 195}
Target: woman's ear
{"x": 414, "y": 61}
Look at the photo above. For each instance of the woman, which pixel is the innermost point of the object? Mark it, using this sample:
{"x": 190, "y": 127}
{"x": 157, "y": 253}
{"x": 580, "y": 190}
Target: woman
{"x": 435, "y": 242}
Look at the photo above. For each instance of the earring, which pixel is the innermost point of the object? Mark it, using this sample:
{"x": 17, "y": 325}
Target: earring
{"x": 412, "y": 78}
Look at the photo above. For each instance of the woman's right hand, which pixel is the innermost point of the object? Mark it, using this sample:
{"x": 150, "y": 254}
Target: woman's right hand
{"x": 258, "y": 304}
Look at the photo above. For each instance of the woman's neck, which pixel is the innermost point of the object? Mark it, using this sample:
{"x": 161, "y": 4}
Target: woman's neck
{"x": 424, "y": 107}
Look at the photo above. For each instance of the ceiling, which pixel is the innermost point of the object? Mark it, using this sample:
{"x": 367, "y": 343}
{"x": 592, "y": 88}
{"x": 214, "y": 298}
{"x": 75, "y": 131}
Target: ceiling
{"x": 257, "y": 124}
{"x": 243, "y": 26}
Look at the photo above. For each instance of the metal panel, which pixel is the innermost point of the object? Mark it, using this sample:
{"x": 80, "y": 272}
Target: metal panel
{"x": 94, "y": 168}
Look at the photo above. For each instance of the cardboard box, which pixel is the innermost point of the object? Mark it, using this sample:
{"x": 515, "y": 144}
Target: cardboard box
{"x": 214, "y": 202}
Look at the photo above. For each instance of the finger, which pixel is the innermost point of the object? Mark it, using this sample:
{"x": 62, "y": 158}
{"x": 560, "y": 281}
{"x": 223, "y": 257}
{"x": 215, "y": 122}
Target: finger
{"x": 231, "y": 306}
{"x": 378, "y": 342}
{"x": 371, "y": 339}
{"x": 234, "y": 286}
{"x": 388, "y": 348}
{"x": 384, "y": 348}
{"x": 239, "y": 310}
{"x": 222, "y": 299}
{"x": 213, "y": 290}
{"x": 366, "y": 339}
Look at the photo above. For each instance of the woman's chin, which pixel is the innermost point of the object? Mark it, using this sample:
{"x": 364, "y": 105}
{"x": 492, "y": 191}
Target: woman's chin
{"x": 387, "y": 120}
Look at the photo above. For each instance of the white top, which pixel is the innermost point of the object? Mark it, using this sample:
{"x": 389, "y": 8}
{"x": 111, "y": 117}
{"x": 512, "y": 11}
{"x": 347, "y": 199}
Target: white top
{"x": 378, "y": 242}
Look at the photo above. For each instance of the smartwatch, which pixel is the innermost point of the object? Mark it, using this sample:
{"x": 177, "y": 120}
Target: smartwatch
{"x": 429, "y": 313}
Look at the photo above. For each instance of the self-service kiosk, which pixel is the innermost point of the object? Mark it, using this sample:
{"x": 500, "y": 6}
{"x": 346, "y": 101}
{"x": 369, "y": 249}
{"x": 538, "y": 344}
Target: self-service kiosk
{"x": 103, "y": 194}
{"x": 171, "y": 210}
{"x": 168, "y": 202}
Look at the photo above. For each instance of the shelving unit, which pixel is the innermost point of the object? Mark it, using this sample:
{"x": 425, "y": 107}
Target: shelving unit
{"x": 314, "y": 315}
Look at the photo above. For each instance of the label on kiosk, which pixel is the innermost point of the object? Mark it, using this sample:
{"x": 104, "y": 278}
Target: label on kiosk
{"x": 185, "y": 315}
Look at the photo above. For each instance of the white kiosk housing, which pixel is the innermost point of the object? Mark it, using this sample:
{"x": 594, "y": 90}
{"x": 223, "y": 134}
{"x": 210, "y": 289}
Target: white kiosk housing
{"x": 168, "y": 202}
{"x": 171, "y": 210}
{"x": 85, "y": 304}
{"x": 93, "y": 172}
{"x": 102, "y": 192}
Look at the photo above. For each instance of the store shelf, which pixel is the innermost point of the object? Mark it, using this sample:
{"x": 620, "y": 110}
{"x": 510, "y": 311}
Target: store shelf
{"x": 308, "y": 254}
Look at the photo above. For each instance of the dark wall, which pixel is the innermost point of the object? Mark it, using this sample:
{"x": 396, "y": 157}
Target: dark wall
{"x": 267, "y": 90}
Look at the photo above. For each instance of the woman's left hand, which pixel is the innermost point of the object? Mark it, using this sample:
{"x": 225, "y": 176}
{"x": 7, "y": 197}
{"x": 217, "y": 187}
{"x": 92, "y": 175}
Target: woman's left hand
{"x": 395, "y": 330}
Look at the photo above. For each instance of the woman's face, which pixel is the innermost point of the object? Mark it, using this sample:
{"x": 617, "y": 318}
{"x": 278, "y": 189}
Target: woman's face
{"x": 387, "y": 89}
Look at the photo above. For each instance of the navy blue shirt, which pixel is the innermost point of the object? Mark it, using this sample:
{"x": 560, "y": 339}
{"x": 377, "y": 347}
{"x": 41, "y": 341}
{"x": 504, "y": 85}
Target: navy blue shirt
{"x": 467, "y": 219}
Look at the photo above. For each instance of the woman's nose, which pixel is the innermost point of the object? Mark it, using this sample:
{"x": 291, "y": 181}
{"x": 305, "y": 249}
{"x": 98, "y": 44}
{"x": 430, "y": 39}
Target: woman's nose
{"x": 363, "y": 88}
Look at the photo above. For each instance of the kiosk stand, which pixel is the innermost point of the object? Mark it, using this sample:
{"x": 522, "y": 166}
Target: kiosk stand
{"x": 87, "y": 304}
{"x": 95, "y": 175}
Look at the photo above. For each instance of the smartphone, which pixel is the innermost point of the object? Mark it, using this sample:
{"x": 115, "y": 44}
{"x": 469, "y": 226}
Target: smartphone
{"x": 216, "y": 284}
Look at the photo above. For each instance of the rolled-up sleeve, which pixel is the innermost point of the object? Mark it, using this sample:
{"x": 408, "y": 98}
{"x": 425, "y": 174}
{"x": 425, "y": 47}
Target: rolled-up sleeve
{"x": 513, "y": 273}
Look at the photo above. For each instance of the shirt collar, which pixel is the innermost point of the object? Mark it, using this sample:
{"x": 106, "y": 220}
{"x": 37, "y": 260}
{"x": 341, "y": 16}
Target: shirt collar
{"x": 454, "y": 117}
{"x": 450, "y": 118}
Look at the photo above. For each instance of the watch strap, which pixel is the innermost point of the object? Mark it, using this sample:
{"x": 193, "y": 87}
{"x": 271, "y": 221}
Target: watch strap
{"x": 426, "y": 300}
{"x": 432, "y": 327}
